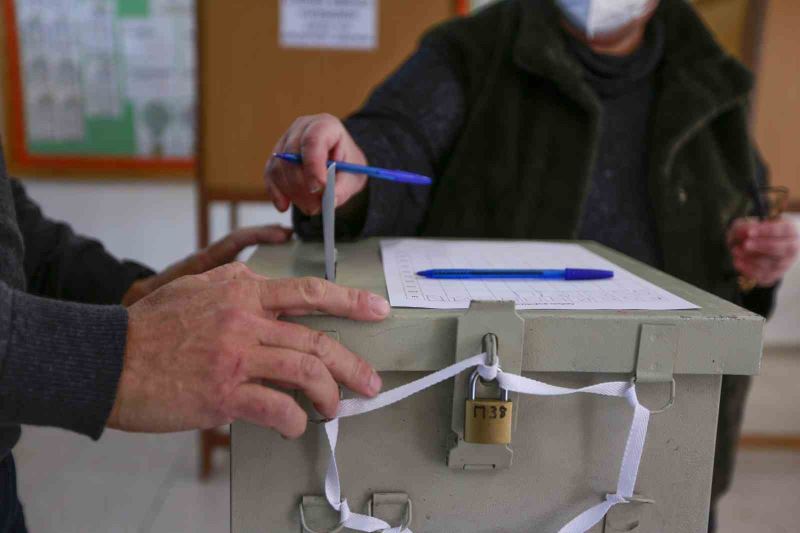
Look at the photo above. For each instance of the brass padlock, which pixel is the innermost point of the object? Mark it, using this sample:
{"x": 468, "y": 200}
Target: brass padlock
{"x": 487, "y": 421}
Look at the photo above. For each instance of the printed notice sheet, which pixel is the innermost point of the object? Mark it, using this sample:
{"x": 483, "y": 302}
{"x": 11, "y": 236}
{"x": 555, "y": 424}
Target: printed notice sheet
{"x": 403, "y": 258}
{"x": 334, "y": 24}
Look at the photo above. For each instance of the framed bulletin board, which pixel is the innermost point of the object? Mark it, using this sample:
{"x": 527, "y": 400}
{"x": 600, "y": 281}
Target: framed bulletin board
{"x": 99, "y": 87}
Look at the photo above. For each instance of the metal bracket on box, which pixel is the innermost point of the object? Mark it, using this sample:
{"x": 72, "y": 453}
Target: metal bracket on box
{"x": 482, "y": 318}
{"x": 655, "y": 361}
{"x": 626, "y": 517}
{"x": 317, "y": 516}
{"x": 392, "y": 508}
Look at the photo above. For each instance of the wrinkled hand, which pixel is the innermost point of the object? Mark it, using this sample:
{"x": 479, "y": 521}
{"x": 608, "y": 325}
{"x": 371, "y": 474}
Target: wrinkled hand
{"x": 317, "y": 138}
{"x": 763, "y": 250}
{"x": 199, "y": 347}
{"x": 219, "y": 253}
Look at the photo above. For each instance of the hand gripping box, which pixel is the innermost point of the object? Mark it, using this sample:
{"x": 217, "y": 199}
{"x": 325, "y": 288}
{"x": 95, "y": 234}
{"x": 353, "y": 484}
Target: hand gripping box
{"x": 408, "y": 463}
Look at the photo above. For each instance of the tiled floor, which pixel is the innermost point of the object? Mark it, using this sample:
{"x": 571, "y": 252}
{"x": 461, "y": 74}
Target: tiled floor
{"x": 123, "y": 483}
{"x": 143, "y": 484}
{"x": 765, "y": 496}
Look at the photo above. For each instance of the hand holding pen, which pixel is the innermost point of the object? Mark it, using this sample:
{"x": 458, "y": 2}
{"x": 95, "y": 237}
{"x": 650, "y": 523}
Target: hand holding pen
{"x": 318, "y": 138}
{"x": 297, "y": 171}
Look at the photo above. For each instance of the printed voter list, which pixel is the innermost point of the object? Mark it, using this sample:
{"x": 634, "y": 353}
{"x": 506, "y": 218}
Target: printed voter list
{"x": 403, "y": 258}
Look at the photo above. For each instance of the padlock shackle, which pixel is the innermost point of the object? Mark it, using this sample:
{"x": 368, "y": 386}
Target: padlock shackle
{"x": 473, "y": 385}
{"x": 490, "y": 348}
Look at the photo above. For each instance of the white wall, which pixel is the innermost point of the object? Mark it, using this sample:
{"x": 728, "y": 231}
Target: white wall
{"x": 784, "y": 327}
{"x": 155, "y": 223}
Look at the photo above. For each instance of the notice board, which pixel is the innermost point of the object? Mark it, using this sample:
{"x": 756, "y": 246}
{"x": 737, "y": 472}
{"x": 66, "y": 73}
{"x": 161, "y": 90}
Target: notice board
{"x": 777, "y": 100}
{"x": 256, "y": 77}
{"x": 100, "y": 86}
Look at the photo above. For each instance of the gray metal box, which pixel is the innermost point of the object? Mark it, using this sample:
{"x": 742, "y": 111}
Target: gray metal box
{"x": 566, "y": 450}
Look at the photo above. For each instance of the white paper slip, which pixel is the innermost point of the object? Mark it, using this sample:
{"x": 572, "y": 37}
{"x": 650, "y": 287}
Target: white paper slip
{"x": 403, "y": 258}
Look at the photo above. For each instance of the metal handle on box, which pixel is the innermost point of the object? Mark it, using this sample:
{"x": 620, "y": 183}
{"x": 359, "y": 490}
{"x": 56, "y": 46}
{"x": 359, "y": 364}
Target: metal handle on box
{"x": 392, "y": 498}
{"x": 655, "y": 360}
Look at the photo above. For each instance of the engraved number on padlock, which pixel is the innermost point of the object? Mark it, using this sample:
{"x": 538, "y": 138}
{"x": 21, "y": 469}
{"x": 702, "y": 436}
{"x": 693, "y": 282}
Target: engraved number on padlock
{"x": 487, "y": 421}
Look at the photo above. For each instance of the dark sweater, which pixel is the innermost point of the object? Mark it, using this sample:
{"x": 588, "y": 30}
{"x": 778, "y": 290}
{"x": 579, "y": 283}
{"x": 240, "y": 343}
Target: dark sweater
{"x": 60, "y": 360}
{"x": 617, "y": 211}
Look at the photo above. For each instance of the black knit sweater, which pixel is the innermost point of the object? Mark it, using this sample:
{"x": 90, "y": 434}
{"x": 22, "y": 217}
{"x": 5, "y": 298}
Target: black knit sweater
{"x": 60, "y": 353}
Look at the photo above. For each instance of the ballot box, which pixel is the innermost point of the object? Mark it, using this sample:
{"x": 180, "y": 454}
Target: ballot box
{"x": 410, "y": 463}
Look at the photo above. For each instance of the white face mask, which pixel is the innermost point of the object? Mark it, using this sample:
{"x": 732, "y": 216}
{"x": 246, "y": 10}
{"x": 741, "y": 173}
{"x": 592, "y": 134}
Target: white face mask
{"x": 595, "y": 17}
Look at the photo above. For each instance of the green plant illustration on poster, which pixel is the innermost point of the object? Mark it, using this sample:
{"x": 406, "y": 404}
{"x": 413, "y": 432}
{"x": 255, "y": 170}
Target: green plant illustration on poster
{"x": 108, "y": 78}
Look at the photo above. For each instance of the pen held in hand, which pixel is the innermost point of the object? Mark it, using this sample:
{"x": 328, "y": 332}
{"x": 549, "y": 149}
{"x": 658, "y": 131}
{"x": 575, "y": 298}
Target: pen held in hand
{"x": 399, "y": 176}
{"x": 567, "y": 274}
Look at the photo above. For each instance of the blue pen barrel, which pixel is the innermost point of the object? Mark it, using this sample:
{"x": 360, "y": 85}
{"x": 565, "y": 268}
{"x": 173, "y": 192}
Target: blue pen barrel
{"x": 399, "y": 176}
{"x": 498, "y": 274}
{"x": 586, "y": 274}
{"x": 570, "y": 274}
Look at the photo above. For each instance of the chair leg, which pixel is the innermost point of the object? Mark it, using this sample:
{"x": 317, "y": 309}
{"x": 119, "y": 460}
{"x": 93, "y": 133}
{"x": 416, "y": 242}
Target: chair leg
{"x": 210, "y": 440}
{"x": 206, "y": 454}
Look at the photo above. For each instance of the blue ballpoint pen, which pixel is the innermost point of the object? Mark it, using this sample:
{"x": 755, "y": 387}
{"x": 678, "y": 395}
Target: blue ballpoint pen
{"x": 569, "y": 274}
{"x": 399, "y": 176}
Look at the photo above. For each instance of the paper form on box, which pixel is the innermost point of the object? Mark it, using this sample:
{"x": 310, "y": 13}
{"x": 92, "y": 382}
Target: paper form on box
{"x": 403, "y": 258}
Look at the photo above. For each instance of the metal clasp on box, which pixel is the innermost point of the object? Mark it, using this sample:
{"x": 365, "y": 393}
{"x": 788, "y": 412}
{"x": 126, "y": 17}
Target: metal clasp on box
{"x": 391, "y": 500}
{"x": 626, "y": 517}
{"x": 322, "y": 511}
{"x": 496, "y": 328}
{"x": 655, "y": 361}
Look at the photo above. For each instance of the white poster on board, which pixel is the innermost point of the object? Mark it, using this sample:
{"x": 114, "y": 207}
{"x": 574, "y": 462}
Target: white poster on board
{"x": 337, "y": 24}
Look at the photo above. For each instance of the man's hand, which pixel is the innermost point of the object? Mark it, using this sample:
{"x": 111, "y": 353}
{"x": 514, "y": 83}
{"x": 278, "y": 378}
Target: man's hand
{"x": 219, "y": 253}
{"x": 763, "y": 250}
{"x": 199, "y": 348}
{"x": 317, "y": 138}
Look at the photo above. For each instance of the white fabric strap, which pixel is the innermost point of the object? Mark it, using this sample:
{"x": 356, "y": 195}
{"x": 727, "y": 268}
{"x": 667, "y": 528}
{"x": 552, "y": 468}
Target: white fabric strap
{"x": 359, "y": 406}
{"x": 634, "y": 445}
{"x": 629, "y": 466}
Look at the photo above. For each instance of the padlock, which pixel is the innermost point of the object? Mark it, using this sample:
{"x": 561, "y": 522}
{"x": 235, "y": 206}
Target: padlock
{"x": 487, "y": 421}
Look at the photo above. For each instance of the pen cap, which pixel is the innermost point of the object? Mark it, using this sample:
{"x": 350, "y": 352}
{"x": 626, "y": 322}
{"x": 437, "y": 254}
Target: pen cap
{"x": 586, "y": 274}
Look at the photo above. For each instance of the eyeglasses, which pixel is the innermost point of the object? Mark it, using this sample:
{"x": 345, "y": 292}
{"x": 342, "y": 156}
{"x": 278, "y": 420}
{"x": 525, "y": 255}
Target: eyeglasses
{"x": 774, "y": 199}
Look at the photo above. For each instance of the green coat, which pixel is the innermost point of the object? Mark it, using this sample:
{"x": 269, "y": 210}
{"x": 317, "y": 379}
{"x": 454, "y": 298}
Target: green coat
{"x": 529, "y": 178}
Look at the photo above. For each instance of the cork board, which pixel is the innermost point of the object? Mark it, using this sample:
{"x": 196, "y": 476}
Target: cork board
{"x": 777, "y": 101}
{"x": 728, "y": 20}
{"x": 251, "y": 88}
